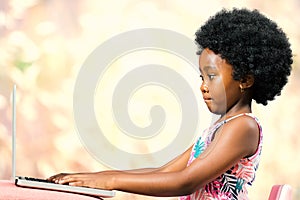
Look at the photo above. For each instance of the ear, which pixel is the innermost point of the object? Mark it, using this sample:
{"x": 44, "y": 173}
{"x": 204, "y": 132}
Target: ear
{"x": 247, "y": 81}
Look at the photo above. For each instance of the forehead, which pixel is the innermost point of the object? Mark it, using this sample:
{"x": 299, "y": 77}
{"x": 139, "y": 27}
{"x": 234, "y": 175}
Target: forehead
{"x": 209, "y": 60}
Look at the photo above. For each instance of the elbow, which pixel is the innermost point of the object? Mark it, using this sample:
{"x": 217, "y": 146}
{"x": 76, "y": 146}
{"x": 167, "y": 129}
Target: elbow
{"x": 188, "y": 188}
{"x": 188, "y": 185}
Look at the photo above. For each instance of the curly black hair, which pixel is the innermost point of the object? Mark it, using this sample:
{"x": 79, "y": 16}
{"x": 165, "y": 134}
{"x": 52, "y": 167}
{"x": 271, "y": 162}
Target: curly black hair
{"x": 253, "y": 45}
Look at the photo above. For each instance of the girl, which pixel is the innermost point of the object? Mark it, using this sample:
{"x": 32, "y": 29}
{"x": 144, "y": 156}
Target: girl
{"x": 244, "y": 56}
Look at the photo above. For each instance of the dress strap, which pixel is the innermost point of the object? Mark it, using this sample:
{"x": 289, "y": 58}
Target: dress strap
{"x": 236, "y": 116}
{"x": 213, "y": 129}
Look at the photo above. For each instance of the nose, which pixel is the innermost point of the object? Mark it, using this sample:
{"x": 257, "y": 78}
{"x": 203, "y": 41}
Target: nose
{"x": 203, "y": 87}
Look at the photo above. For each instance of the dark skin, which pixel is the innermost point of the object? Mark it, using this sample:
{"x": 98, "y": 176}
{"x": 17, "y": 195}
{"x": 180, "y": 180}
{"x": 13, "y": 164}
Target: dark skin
{"x": 236, "y": 139}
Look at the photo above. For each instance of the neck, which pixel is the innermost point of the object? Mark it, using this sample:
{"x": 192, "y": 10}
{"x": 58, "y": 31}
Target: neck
{"x": 240, "y": 107}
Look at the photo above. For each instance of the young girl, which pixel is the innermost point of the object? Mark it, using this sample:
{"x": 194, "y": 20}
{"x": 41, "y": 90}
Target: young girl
{"x": 243, "y": 56}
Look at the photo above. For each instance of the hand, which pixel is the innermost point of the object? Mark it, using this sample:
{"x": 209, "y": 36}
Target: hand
{"x": 56, "y": 178}
{"x": 93, "y": 180}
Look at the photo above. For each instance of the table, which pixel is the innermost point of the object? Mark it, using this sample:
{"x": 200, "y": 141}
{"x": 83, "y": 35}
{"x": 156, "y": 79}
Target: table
{"x": 8, "y": 191}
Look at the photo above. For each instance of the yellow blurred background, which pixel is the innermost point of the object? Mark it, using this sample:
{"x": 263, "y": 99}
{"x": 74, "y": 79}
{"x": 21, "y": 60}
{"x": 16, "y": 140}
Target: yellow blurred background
{"x": 44, "y": 43}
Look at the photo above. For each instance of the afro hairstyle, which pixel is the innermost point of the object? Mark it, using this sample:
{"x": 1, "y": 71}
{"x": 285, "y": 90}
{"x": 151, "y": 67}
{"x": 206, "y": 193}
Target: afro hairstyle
{"x": 253, "y": 45}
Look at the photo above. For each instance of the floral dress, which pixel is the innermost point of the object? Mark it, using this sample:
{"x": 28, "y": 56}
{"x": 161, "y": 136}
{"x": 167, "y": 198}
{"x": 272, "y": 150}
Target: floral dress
{"x": 232, "y": 184}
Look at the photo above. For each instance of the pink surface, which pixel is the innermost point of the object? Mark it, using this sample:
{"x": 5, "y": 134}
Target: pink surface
{"x": 8, "y": 191}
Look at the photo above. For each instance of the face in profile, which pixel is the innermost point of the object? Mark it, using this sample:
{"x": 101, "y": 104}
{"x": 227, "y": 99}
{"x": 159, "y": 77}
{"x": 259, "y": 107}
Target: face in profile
{"x": 220, "y": 91}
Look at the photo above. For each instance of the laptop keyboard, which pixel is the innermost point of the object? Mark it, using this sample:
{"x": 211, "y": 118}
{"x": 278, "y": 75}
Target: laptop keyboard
{"x": 37, "y": 179}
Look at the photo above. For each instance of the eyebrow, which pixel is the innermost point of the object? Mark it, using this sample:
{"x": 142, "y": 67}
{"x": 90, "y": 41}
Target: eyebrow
{"x": 206, "y": 68}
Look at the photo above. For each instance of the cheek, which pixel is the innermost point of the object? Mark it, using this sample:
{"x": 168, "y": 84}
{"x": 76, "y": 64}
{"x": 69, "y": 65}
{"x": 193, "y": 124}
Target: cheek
{"x": 218, "y": 89}
{"x": 232, "y": 91}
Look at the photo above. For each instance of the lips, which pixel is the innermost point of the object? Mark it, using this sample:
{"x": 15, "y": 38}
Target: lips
{"x": 207, "y": 99}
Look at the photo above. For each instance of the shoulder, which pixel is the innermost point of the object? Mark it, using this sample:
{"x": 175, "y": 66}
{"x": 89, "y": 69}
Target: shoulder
{"x": 246, "y": 122}
{"x": 242, "y": 132}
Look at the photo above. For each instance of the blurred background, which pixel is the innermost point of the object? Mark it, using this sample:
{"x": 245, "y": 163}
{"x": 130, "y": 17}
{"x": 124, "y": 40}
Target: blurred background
{"x": 43, "y": 44}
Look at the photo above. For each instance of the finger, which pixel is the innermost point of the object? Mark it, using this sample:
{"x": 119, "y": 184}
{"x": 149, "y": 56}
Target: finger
{"x": 56, "y": 176}
{"x": 67, "y": 179}
{"x": 76, "y": 183}
{"x": 52, "y": 178}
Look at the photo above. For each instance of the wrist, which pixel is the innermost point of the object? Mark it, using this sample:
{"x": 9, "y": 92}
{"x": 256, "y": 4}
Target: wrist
{"x": 111, "y": 183}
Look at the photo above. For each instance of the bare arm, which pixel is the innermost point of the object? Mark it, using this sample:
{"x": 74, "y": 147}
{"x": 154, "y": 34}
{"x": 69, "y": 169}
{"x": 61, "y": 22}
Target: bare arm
{"x": 177, "y": 164}
{"x": 234, "y": 141}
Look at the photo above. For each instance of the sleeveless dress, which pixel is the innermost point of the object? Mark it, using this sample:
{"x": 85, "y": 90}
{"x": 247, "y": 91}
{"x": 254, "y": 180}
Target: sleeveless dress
{"x": 232, "y": 184}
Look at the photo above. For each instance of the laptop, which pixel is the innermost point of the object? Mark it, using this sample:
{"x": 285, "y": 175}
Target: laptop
{"x": 30, "y": 182}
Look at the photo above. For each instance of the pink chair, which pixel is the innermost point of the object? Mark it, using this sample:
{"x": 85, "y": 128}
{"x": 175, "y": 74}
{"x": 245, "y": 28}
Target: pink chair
{"x": 281, "y": 192}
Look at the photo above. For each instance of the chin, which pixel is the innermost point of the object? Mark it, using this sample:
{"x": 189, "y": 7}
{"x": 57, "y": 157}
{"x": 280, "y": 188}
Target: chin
{"x": 216, "y": 111}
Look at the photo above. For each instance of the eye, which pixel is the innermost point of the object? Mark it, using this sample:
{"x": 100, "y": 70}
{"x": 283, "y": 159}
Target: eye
{"x": 211, "y": 76}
